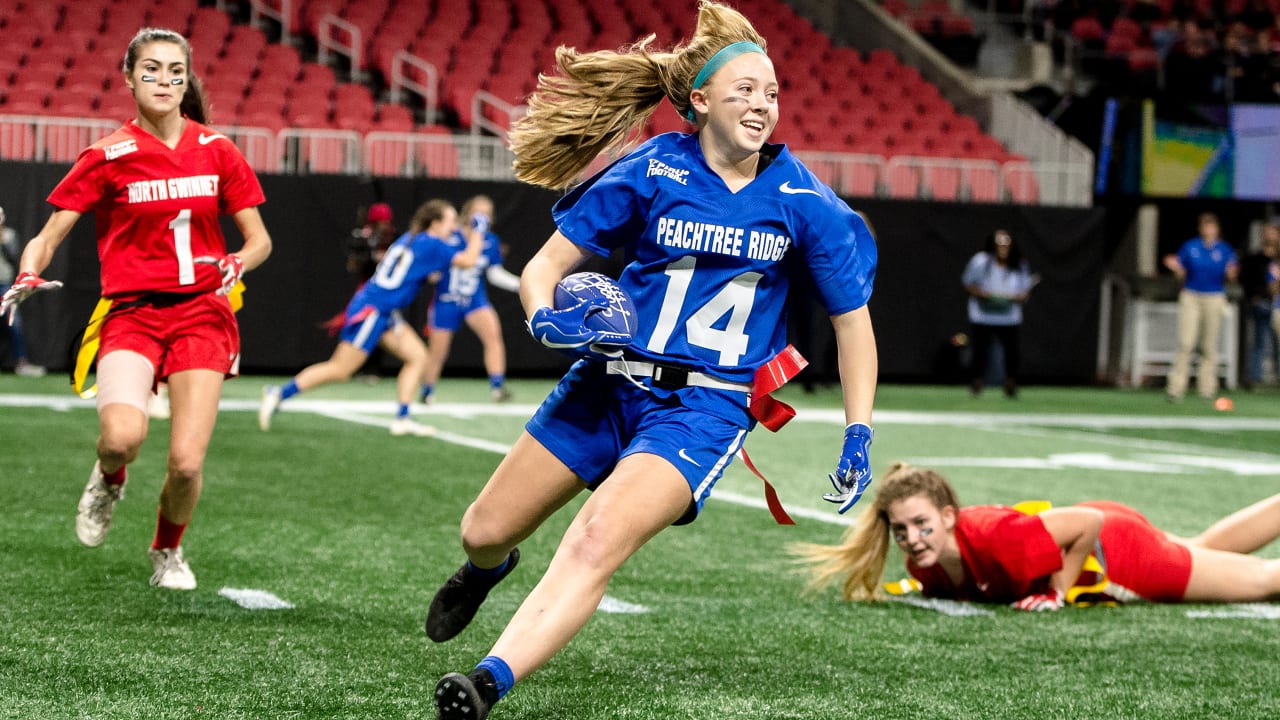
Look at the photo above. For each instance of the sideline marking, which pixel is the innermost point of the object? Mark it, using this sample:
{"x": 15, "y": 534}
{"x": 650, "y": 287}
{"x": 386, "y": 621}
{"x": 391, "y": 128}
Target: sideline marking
{"x": 251, "y": 599}
{"x": 1242, "y": 611}
{"x": 951, "y": 608}
{"x": 614, "y": 605}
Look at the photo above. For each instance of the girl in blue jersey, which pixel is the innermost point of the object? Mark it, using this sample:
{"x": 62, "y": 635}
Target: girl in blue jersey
{"x": 373, "y": 317}
{"x": 461, "y": 295}
{"x": 1204, "y": 264}
{"x": 714, "y": 226}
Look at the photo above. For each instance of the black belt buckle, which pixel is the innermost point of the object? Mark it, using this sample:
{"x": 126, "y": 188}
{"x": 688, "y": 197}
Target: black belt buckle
{"x": 668, "y": 377}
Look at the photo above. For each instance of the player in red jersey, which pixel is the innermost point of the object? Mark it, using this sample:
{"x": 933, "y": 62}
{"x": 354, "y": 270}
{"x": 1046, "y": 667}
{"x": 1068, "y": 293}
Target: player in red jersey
{"x": 156, "y": 187}
{"x": 1092, "y": 552}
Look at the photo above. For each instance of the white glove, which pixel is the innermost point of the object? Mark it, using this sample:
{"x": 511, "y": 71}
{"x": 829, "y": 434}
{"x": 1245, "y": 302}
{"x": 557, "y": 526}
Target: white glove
{"x": 26, "y": 285}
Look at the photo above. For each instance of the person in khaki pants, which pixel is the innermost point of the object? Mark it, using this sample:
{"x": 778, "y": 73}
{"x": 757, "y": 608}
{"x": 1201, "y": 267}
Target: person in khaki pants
{"x": 1204, "y": 264}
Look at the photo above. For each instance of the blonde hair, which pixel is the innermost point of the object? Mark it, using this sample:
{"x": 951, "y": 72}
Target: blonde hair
{"x": 864, "y": 548}
{"x": 600, "y": 97}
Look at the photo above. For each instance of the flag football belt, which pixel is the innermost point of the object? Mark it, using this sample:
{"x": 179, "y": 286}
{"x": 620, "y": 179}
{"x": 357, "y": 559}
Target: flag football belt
{"x": 670, "y": 377}
{"x": 84, "y": 349}
{"x": 771, "y": 412}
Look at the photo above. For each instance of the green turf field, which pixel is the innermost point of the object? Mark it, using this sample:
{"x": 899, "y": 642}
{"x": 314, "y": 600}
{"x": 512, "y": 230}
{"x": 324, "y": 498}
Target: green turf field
{"x": 356, "y": 529}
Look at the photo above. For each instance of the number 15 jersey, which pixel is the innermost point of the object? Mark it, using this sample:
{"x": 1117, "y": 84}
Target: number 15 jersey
{"x": 709, "y": 269}
{"x": 156, "y": 209}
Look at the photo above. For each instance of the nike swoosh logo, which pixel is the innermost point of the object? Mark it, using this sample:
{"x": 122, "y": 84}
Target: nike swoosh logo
{"x": 786, "y": 188}
{"x": 206, "y": 139}
{"x": 685, "y": 456}
{"x": 555, "y": 345}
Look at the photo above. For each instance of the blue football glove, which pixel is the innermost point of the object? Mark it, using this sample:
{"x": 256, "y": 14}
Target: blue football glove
{"x": 565, "y": 331}
{"x": 480, "y": 222}
{"x": 853, "y": 472}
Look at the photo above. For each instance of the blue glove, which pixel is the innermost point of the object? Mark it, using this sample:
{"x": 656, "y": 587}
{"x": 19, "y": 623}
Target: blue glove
{"x": 853, "y": 472}
{"x": 565, "y": 331}
{"x": 480, "y": 222}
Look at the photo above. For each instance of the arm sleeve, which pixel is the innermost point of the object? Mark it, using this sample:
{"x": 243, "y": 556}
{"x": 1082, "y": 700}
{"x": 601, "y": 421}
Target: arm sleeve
{"x": 240, "y": 186}
{"x": 502, "y": 278}
{"x": 602, "y": 213}
{"x": 842, "y": 256}
{"x": 84, "y": 185}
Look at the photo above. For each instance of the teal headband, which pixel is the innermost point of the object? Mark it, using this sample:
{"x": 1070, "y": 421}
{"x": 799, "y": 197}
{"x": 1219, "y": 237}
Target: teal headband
{"x": 717, "y": 61}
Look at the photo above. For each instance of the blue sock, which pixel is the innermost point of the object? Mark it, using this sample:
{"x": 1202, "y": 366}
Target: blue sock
{"x": 289, "y": 390}
{"x": 427, "y": 390}
{"x": 497, "y": 381}
{"x": 501, "y": 673}
{"x": 402, "y": 411}
{"x": 474, "y": 569}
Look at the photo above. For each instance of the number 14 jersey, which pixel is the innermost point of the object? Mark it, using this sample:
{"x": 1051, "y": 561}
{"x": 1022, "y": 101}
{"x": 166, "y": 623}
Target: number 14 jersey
{"x": 709, "y": 269}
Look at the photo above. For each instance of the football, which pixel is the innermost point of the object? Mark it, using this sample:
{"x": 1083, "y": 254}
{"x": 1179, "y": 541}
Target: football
{"x": 619, "y": 315}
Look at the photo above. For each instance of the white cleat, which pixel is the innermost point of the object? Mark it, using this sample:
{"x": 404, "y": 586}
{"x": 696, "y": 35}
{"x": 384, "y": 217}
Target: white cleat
{"x": 170, "y": 570}
{"x": 500, "y": 394}
{"x": 270, "y": 404}
{"x": 158, "y": 404}
{"x": 93, "y": 515}
{"x": 409, "y": 426}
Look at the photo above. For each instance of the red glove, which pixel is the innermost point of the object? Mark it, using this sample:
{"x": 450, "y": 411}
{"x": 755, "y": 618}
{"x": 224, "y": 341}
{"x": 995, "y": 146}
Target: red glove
{"x": 230, "y": 266}
{"x": 26, "y": 285}
{"x": 1040, "y": 602}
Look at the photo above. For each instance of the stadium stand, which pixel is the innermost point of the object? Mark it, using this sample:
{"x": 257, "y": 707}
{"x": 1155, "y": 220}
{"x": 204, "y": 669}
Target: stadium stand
{"x": 869, "y": 124}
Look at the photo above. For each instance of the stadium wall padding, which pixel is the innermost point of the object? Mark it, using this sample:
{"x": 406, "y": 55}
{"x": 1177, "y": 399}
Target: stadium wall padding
{"x": 918, "y": 304}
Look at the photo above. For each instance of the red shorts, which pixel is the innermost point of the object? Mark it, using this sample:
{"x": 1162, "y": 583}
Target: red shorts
{"x": 1139, "y": 556}
{"x": 192, "y": 333}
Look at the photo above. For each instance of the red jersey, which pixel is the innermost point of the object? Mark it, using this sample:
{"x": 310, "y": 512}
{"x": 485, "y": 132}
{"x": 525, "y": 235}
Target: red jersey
{"x": 1007, "y": 555}
{"x": 157, "y": 209}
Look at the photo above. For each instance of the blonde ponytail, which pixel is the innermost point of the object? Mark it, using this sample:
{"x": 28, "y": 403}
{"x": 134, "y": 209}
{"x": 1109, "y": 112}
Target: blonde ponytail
{"x": 864, "y": 548}
{"x": 600, "y": 98}
{"x": 859, "y": 558}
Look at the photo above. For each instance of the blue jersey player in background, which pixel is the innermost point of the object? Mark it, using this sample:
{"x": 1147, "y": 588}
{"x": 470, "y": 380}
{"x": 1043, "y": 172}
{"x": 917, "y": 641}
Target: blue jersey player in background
{"x": 461, "y": 295}
{"x": 373, "y": 316}
{"x": 714, "y": 226}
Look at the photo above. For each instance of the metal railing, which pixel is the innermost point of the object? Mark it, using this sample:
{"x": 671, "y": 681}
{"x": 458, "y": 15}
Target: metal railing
{"x": 279, "y": 10}
{"x": 1061, "y": 163}
{"x": 328, "y": 43}
{"x": 302, "y": 151}
{"x": 314, "y": 152}
{"x": 427, "y": 89}
{"x": 484, "y": 101}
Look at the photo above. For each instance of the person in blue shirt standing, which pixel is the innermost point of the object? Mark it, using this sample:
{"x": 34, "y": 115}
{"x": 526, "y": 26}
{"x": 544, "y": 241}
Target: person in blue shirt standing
{"x": 373, "y": 318}
{"x": 461, "y": 295}
{"x": 1204, "y": 264}
{"x": 714, "y": 226}
{"x": 998, "y": 281}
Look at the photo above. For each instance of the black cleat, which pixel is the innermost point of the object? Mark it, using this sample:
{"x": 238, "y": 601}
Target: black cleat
{"x": 457, "y": 601}
{"x": 463, "y": 697}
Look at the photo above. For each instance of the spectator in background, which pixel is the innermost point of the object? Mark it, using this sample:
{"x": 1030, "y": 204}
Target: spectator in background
{"x": 1192, "y": 72}
{"x": 998, "y": 281}
{"x": 462, "y": 296}
{"x": 1259, "y": 299}
{"x": 1204, "y": 264}
{"x": 370, "y": 241}
{"x": 11, "y": 334}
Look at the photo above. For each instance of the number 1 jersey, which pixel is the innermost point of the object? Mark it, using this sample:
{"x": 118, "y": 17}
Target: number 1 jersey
{"x": 156, "y": 209}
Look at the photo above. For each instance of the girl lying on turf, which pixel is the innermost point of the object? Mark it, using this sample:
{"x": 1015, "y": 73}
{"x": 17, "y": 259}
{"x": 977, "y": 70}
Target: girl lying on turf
{"x": 1092, "y": 552}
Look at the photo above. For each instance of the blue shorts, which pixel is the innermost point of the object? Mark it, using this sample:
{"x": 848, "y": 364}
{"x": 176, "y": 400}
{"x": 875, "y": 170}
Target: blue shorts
{"x": 592, "y": 420}
{"x": 364, "y": 326}
{"x": 448, "y": 315}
